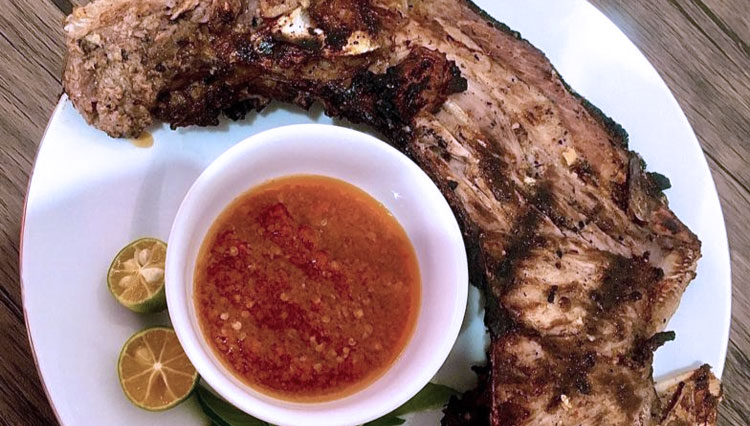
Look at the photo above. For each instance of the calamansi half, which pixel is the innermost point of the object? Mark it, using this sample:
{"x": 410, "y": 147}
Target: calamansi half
{"x": 154, "y": 371}
{"x": 136, "y": 276}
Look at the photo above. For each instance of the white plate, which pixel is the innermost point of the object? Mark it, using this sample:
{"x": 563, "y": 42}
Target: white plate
{"x": 90, "y": 195}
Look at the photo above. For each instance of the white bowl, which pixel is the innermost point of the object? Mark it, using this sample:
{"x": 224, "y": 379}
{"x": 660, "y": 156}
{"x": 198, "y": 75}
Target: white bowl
{"x": 388, "y": 176}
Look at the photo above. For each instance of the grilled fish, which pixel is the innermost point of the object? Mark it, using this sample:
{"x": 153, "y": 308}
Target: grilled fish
{"x": 580, "y": 258}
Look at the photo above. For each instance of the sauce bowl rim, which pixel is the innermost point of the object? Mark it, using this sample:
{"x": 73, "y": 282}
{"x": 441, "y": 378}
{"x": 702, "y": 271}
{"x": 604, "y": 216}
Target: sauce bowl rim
{"x": 370, "y": 402}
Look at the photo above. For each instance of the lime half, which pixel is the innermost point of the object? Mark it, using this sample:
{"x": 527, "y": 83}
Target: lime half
{"x": 136, "y": 276}
{"x": 154, "y": 371}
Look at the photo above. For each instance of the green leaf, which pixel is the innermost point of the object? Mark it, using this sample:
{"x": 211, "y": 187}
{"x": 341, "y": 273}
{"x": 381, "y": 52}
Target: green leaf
{"x": 388, "y": 420}
{"x": 223, "y": 413}
{"x": 431, "y": 397}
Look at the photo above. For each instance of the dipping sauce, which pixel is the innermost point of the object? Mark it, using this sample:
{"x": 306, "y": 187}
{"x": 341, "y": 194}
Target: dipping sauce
{"x": 307, "y": 288}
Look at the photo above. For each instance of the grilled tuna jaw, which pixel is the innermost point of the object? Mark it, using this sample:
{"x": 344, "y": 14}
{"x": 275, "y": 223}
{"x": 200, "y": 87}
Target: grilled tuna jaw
{"x": 580, "y": 258}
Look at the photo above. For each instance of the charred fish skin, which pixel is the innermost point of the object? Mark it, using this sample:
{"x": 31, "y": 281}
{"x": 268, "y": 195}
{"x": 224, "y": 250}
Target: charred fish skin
{"x": 580, "y": 258}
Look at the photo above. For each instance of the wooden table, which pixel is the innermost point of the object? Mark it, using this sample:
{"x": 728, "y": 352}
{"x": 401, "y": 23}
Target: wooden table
{"x": 700, "y": 47}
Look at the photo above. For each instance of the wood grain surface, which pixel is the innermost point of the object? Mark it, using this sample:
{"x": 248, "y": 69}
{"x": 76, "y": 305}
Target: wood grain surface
{"x": 700, "y": 47}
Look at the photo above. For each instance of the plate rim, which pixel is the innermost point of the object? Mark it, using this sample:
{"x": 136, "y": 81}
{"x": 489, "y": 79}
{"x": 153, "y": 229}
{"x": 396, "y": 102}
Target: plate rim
{"x": 726, "y": 252}
{"x": 58, "y": 107}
